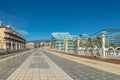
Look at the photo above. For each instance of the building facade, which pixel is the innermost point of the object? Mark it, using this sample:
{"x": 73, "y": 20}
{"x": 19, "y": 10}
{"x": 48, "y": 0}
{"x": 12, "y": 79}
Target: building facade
{"x": 30, "y": 45}
{"x": 83, "y": 39}
{"x": 42, "y": 44}
{"x": 11, "y": 40}
{"x": 113, "y": 39}
{"x": 62, "y": 41}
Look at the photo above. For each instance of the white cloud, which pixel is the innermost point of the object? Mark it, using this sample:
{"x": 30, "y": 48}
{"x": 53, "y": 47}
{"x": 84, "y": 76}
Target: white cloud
{"x": 23, "y": 32}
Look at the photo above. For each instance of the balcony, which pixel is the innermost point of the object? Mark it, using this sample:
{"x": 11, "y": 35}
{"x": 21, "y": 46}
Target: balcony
{"x": 15, "y": 34}
{"x": 14, "y": 38}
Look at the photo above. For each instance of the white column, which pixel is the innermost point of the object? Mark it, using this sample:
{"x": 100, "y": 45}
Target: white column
{"x": 22, "y": 46}
{"x": 16, "y": 45}
{"x": 11, "y": 45}
{"x": 4, "y": 46}
{"x": 66, "y": 47}
{"x": 78, "y": 42}
{"x": 103, "y": 43}
{"x": 19, "y": 46}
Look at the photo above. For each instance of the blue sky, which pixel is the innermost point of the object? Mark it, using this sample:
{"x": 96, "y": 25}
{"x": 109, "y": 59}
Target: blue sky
{"x": 37, "y": 19}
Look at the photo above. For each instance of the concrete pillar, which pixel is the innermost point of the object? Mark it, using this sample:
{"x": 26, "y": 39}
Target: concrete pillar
{"x": 66, "y": 45}
{"x": 19, "y": 46}
{"x": 16, "y": 46}
{"x": 78, "y": 42}
{"x": 4, "y": 45}
{"x": 22, "y": 46}
{"x": 103, "y": 43}
{"x": 11, "y": 45}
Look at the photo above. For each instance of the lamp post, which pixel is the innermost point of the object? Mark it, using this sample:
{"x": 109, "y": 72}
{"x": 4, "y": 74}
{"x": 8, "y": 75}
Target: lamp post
{"x": 103, "y": 43}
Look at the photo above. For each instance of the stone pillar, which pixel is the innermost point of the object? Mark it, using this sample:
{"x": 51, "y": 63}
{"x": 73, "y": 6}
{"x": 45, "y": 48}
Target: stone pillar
{"x": 16, "y": 46}
{"x": 103, "y": 43}
{"x": 4, "y": 46}
{"x": 66, "y": 45}
{"x": 19, "y": 46}
{"x": 78, "y": 43}
{"x": 11, "y": 45}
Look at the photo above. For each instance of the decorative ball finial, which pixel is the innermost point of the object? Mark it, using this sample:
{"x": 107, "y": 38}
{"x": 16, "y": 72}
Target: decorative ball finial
{"x": 103, "y": 32}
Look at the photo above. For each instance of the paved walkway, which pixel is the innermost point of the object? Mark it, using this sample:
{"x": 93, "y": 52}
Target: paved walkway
{"x": 109, "y": 67}
{"x": 45, "y": 65}
{"x": 9, "y": 64}
{"x": 39, "y": 67}
{"x": 79, "y": 71}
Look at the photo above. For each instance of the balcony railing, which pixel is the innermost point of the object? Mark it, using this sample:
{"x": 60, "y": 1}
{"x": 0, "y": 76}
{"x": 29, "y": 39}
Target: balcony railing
{"x": 14, "y": 34}
{"x": 14, "y": 38}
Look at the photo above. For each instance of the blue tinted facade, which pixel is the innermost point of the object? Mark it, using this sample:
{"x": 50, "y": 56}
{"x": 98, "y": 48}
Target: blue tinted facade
{"x": 113, "y": 38}
{"x": 83, "y": 38}
{"x": 58, "y": 39}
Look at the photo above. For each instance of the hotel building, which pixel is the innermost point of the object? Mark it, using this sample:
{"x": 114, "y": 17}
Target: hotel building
{"x": 113, "y": 39}
{"x": 30, "y": 45}
{"x": 83, "y": 39}
{"x": 11, "y": 40}
{"x": 62, "y": 41}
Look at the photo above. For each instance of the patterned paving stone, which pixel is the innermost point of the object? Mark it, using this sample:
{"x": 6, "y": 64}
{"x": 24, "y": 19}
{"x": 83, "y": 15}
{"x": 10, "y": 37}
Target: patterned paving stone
{"x": 79, "y": 71}
{"x": 8, "y": 66}
{"x": 39, "y": 67}
{"x": 42, "y": 65}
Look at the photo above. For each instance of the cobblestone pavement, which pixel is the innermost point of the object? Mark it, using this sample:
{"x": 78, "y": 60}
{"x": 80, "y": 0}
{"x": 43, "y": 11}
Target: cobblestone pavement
{"x": 8, "y": 66}
{"x": 79, "y": 71}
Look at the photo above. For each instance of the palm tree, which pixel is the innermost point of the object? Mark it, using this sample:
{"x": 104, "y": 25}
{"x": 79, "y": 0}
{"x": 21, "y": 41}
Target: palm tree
{"x": 75, "y": 44}
{"x": 90, "y": 42}
{"x": 113, "y": 45}
{"x": 98, "y": 41}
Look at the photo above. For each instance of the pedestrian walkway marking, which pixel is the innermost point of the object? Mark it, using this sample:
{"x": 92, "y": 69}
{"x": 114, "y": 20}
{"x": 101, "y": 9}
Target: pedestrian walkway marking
{"x": 39, "y": 67}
